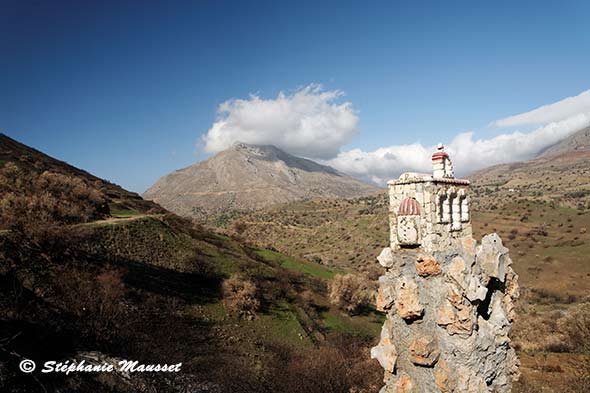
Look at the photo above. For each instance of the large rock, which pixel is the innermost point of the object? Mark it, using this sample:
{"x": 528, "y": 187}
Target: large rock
{"x": 447, "y": 331}
{"x": 424, "y": 350}
{"x": 385, "y": 352}
{"x": 408, "y": 302}
{"x": 427, "y": 266}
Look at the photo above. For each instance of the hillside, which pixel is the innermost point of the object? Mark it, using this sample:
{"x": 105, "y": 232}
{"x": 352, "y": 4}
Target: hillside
{"x": 80, "y": 282}
{"x": 560, "y": 176}
{"x": 30, "y": 159}
{"x": 246, "y": 177}
{"x": 577, "y": 142}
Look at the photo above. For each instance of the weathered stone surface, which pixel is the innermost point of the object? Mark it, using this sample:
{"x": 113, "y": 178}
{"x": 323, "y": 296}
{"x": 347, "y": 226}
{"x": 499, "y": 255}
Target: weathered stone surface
{"x": 424, "y": 350}
{"x": 456, "y": 314}
{"x": 385, "y": 296}
{"x": 457, "y": 271}
{"x": 408, "y": 230}
{"x": 449, "y": 302}
{"x": 492, "y": 257}
{"x": 385, "y": 352}
{"x": 386, "y": 258}
{"x": 404, "y": 385}
{"x": 445, "y": 378}
{"x": 475, "y": 290}
{"x": 408, "y": 302}
{"x": 427, "y": 266}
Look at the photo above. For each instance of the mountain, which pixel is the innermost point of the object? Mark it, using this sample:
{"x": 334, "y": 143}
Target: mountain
{"x": 577, "y": 142}
{"x": 246, "y": 177}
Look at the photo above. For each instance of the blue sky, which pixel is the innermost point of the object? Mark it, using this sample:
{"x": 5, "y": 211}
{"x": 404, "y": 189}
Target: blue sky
{"x": 126, "y": 90}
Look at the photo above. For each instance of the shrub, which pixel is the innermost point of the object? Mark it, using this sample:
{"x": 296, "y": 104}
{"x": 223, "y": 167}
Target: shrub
{"x": 239, "y": 227}
{"x": 32, "y": 199}
{"x": 240, "y": 296}
{"x": 37, "y": 207}
{"x": 576, "y": 328}
{"x": 513, "y": 234}
{"x": 351, "y": 293}
{"x": 95, "y": 300}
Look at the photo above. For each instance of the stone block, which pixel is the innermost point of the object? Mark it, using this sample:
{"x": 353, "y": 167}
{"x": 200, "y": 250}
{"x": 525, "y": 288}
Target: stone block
{"x": 386, "y": 258}
{"x": 424, "y": 350}
{"x": 427, "y": 266}
{"x": 408, "y": 302}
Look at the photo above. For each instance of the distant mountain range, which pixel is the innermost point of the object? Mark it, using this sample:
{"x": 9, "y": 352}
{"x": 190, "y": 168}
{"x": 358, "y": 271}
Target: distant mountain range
{"x": 246, "y": 177}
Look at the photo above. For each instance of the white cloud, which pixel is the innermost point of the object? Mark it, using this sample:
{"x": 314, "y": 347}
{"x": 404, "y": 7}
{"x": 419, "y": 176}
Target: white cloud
{"x": 469, "y": 154}
{"x": 309, "y": 122}
{"x": 550, "y": 113}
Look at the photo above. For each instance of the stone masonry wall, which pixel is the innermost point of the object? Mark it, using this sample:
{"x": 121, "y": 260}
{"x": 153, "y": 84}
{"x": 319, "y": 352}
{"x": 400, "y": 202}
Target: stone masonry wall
{"x": 449, "y": 313}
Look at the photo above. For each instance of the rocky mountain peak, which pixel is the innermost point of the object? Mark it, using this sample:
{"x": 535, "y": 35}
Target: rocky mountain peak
{"x": 248, "y": 176}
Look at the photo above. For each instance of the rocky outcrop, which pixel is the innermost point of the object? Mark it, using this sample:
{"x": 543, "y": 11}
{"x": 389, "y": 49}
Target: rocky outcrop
{"x": 448, "y": 331}
{"x": 449, "y": 301}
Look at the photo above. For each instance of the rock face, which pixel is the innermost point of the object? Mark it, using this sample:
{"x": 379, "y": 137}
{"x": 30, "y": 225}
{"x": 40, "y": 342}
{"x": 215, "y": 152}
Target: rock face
{"x": 449, "y": 301}
{"x": 247, "y": 177}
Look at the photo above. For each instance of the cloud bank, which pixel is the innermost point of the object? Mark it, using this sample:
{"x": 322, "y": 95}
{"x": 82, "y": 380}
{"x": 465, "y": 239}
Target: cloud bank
{"x": 309, "y": 122}
{"x": 557, "y": 111}
{"x": 469, "y": 154}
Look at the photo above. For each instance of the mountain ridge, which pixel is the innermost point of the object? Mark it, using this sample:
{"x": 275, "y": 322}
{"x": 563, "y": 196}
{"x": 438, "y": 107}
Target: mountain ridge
{"x": 245, "y": 177}
{"x": 578, "y": 141}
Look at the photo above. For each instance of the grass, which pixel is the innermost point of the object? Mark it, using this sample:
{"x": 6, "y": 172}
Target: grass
{"x": 281, "y": 324}
{"x": 293, "y": 264}
{"x": 123, "y": 213}
{"x": 361, "y": 325}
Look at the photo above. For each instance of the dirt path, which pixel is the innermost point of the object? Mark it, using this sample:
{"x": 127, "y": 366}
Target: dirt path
{"x": 118, "y": 220}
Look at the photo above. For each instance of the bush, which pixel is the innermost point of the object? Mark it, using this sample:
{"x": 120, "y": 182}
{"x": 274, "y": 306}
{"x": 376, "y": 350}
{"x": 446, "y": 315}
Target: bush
{"x": 240, "y": 296}
{"x": 352, "y": 293}
{"x": 32, "y": 199}
{"x": 95, "y": 300}
{"x": 37, "y": 209}
{"x": 576, "y": 328}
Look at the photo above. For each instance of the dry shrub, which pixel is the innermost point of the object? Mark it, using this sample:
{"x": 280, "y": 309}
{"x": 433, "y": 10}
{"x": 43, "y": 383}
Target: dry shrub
{"x": 95, "y": 300}
{"x": 352, "y": 293}
{"x": 331, "y": 370}
{"x": 240, "y": 296}
{"x": 538, "y": 332}
{"x": 581, "y": 380}
{"x": 239, "y": 227}
{"x": 36, "y": 208}
{"x": 30, "y": 199}
{"x": 575, "y": 327}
